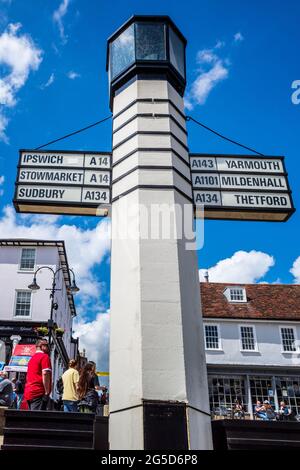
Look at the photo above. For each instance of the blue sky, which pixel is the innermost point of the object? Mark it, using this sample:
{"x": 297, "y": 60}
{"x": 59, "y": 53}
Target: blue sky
{"x": 242, "y": 59}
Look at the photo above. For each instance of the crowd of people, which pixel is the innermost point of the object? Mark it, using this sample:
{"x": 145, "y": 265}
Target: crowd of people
{"x": 263, "y": 411}
{"x": 266, "y": 412}
{"x": 79, "y": 391}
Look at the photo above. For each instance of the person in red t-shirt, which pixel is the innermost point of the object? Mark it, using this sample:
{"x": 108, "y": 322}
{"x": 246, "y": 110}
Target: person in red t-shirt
{"x": 39, "y": 375}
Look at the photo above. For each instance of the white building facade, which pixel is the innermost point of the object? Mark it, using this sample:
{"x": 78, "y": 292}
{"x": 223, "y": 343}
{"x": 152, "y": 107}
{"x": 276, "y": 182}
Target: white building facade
{"x": 23, "y": 311}
{"x": 252, "y": 335}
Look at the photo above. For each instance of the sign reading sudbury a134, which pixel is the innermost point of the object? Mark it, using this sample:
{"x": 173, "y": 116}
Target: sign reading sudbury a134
{"x": 63, "y": 182}
{"x": 241, "y": 187}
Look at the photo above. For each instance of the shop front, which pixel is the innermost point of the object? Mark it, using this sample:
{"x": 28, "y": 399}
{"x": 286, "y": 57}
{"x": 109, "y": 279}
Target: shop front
{"x": 16, "y": 333}
{"x": 226, "y": 388}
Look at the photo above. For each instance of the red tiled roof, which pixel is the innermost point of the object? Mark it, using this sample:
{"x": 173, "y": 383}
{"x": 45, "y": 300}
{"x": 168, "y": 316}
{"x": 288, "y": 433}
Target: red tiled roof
{"x": 264, "y": 301}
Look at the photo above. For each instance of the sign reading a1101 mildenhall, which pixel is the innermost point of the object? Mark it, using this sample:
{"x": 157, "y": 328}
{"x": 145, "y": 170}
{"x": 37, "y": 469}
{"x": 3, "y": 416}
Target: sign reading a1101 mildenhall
{"x": 63, "y": 182}
{"x": 241, "y": 187}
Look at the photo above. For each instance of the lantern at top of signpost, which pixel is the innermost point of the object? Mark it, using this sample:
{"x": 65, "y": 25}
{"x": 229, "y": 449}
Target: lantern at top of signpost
{"x": 144, "y": 46}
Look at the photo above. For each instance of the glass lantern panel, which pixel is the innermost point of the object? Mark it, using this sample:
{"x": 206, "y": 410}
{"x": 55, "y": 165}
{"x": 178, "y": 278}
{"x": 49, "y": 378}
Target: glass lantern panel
{"x": 122, "y": 52}
{"x": 176, "y": 52}
{"x": 150, "y": 41}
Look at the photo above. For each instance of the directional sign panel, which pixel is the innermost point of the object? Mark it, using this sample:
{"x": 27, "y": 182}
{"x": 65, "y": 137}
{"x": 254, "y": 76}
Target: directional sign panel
{"x": 60, "y": 182}
{"x": 241, "y": 187}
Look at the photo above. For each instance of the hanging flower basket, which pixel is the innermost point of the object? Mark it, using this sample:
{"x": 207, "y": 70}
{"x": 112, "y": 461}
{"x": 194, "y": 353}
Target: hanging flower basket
{"x": 42, "y": 331}
{"x": 59, "y": 332}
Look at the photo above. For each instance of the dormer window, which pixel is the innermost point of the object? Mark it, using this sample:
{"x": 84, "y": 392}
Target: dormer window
{"x": 236, "y": 294}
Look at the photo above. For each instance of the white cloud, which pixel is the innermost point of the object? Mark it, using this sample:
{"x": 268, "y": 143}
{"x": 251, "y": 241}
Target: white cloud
{"x": 49, "y": 82}
{"x": 295, "y": 270}
{"x": 238, "y": 37}
{"x": 243, "y": 268}
{"x": 206, "y": 81}
{"x": 220, "y": 44}
{"x": 2, "y": 179}
{"x": 58, "y": 16}
{"x": 3, "y": 125}
{"x": 20, "y": 55}
{"x": 94, "y": 338}
{"x": 206, "y": 56}
{"x": 212, "y": 70}
{"x": 73, "y": 75}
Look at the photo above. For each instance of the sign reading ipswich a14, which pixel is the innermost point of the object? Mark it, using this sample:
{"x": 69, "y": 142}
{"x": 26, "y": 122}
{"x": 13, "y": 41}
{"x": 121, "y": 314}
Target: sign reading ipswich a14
{"x": 241, "y": 187}
{"x": 63, "y": 182}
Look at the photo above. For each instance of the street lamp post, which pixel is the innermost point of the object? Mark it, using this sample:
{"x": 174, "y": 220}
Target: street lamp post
{"x": 73, "y": 289}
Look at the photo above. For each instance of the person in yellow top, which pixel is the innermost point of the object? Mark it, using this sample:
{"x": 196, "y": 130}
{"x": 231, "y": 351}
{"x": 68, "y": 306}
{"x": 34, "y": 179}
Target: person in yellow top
{"x": 70, "y": 380}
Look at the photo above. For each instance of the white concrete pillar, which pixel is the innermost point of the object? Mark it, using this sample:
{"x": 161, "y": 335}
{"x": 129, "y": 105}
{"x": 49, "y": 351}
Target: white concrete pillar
{"x": 15, "y": 341}
{"x": 156, "y": 343}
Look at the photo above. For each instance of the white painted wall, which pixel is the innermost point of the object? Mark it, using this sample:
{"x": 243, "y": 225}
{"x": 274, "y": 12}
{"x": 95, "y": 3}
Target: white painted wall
{"x": 270, "y": 351}
{"x": 12, "y": 279}
{"x": 156, "y": 339}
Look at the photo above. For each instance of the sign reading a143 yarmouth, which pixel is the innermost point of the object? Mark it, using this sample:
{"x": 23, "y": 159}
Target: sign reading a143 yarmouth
{"x": 63, "y": 182}
{"x": 241, "y": 187}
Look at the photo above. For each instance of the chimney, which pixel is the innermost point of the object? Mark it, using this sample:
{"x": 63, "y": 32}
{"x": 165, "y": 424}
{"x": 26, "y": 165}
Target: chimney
{"x": 206, "y": 276}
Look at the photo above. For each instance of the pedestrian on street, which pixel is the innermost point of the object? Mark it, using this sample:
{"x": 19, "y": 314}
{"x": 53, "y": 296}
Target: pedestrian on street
{"x": 19, "y": 391}
{"x": 6, "y": 390}
{"x": 39, "y": 377}
{"x": 70, "y": 380}
{"x": 88, "y": 397}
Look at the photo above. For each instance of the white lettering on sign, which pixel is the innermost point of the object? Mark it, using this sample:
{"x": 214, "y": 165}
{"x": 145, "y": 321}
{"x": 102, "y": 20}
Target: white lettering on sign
{"x": 223, "y": 181}
{"x": 236, "y": 164}
{"x": 205, "y": 180}
{"x": 94, "y": 178}
{"x": 51, "y": 159}
{"x": 64, "y": 194}
{"x": 261, "y": 165}
{"x": 207, "y": 198}
{"x": 68, "y": 179}
{"x": 243, "y": 199}
{"x": 203, "y": 163}
{"x": 78, "y": 177}
{"x": 264, "y": 200}
{"x": 97, "y": 161}
{"x": 95, "y": 195}
{"x": 50, "y": 193}
{"x": 51, "y": 176}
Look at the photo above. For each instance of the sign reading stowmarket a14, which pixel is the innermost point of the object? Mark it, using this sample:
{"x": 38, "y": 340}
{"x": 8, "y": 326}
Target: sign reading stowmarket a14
{"x": 241, "y": 187}
{"x": 63, "y": 182}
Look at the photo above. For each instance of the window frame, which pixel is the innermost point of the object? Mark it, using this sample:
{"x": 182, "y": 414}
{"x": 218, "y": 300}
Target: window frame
{"x": 27, "y": 270}
{"x": 290, "y": 327}
{"x": 227, "y": 294}
{"x": 15, "y": 304}
{"x": 166, "y": 37}
{"x": 248, "y": 325}
{"x": 219, "y": 337}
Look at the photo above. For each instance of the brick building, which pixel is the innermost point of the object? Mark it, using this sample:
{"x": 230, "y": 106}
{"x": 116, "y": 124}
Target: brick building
{"x": 252, "y": 334}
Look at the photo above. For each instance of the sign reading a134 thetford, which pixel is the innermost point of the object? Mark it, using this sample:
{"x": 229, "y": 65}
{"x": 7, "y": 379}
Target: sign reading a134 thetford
{"x": 63, "y": 182}
{"x": 241, "y": 187}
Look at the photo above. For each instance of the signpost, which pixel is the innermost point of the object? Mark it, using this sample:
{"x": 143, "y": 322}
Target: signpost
{"x": 158, "y": 377}
{"x": 63, "y": 182}
{"x": 241, "y": 187}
